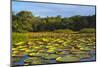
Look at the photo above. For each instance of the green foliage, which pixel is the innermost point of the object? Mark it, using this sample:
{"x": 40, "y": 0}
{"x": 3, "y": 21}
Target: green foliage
{"x": 24, "y": 21}
{"x": 51, "y": 56}
{"x": 24, "y": 14}
{"x": 88, "y": 30}
{"x": 33, "y": 60}
{"x": 68, "y": 58}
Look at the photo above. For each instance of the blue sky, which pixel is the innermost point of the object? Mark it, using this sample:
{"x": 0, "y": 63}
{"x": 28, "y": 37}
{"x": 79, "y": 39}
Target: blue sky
{"x": 43, "y": 9}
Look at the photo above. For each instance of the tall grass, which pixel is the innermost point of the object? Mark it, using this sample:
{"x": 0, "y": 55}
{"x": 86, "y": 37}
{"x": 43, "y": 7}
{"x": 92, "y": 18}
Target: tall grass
{"x": 19, "y": 37}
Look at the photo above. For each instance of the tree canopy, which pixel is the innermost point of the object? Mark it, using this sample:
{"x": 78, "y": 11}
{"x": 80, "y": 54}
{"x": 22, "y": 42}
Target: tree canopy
{"x": 25, "y": 21}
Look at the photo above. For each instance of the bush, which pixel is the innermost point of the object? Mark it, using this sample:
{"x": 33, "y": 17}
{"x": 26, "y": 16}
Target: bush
{"x": 88, "y": 30}
{"x": 64, "y": 31}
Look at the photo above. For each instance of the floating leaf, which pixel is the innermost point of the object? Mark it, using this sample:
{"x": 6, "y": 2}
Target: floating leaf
{"x": 51, "y": 56}
{"x": 68, "y": 58}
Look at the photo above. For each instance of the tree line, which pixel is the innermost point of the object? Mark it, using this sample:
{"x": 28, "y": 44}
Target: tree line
{"x": 25, "y": 21}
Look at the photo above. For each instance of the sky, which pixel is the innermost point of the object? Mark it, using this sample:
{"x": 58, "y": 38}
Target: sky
{"x": 45, "y": 9}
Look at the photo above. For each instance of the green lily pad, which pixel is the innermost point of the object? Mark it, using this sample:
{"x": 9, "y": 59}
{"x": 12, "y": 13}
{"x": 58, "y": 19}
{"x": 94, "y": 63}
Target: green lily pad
{"x": 52, "y": 50}
{"x": 20, "y": 43}
{"x": 46, "y": 61}
{"x": 81, "y": 56}
{"x": 38, "y": 54}
{"x": 45, "y": 39}
{"x": 51, "y": 56}
{"x": 31, "y": 54}
{"x": 32, "y": 59}
{"x": 62, "y": 52}
{"x": 30, "y": 42}
{"x": 36, "y": 62}
{"x": 85, "y": 48}
{"x": 68, "y": 58}
{"x": 28, "y": 60}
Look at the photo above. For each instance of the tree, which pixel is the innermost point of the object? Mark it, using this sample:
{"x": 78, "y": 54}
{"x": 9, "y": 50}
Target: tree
{"x": 24, "y": 21}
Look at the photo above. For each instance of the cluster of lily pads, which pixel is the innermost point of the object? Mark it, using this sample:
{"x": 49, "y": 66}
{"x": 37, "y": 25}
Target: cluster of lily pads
{"x": 45, "y": 50}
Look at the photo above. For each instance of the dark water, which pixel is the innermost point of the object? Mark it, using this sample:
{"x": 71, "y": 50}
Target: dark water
{"x": 21, "y": 62}
{"x": 92, "y": 58}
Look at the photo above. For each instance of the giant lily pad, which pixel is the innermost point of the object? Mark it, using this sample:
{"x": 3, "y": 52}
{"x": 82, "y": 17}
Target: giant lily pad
{"x": 68, "y": 58}
{"x": 31, "y": 54}
{"x": 20, "y": 43}
{"x": 86, "y": 48}
{"x": 81, "y": 56}
{"x": 33, "y": 60}
{"x": 51, "y": 56}
{"x": 36, "y": 62}
{"x": 38, "y": 54}
{"x": 45, "y": 39}
{"x": 52, "y": 50}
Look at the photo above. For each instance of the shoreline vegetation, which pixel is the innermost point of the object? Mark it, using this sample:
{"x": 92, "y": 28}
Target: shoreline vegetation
{"x": 25, "y": 21}
{"x": 48, "y": 40}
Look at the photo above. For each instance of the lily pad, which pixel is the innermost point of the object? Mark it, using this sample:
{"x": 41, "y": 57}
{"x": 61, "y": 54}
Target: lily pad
{"x": 52, "y": 50}
{"x": 62, "y": 52}
{"x": 68, "y": 58}
{"x": 33, "y": 60}
{"x": 31, "y": 54}
{"x": 51, "y": 56}
{"x": 38, "y": 54}
{"x": 45, "y": 39}
{"x": 20, "y": 43}
{"x": 36, "y": 62}
{"x": 86, "y": 48}
{"x": 81, "y": 56}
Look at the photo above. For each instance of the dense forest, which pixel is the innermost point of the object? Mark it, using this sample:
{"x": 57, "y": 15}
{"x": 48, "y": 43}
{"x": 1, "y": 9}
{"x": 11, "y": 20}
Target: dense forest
{"x": 25, "y": 21}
